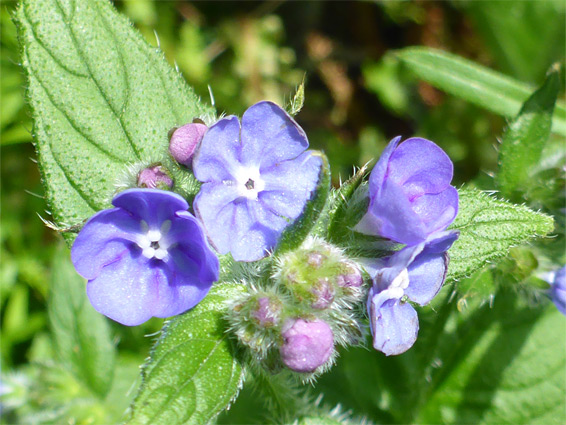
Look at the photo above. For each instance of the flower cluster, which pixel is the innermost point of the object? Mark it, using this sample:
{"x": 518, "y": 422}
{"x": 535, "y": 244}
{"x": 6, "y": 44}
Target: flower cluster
{"x": 305, "y": 309}
{"x": 149, "y": 256}
{"x": 253, "y": 178}
{"x": 411, "y": 202}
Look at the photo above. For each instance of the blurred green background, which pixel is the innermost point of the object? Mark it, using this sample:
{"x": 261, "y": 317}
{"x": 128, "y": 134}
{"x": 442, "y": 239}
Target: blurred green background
{"x": 357, "y": 97}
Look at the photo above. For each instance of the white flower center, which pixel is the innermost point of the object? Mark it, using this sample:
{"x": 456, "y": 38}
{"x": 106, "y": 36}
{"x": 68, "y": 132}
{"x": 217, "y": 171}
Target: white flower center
{"x": 400, "y": 283}
{"x": 154, "y": 243}
{"x": 249, "y": 182}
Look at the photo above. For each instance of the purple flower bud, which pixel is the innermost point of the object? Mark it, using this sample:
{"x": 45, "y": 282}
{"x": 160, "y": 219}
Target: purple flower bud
{"x": 267, "y": 312}
{"x": 410, "y": 193}
{"x": 351, "y": 278}
{"x": 184, "y": 142}
{"x": 323, "y": 292}
{"x": 315, "y": 259}
{"x": 558, "y": 289}
{"x": 307, "y": 345}
{"x": 154, "y": 178}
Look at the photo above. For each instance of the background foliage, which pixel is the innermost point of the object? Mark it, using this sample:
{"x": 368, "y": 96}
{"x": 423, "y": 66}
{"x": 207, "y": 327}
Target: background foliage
{"x": 360, "y": 91}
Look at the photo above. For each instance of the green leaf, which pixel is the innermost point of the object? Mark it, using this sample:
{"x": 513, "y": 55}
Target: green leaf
{"x": 515, "y": 42}
{"x": 294, "y": 235}
{"x": 102, "y": 98}
{"x": 503, "y": 365}
{"x": 488, "y": 229}
{"x": 81, "y": 335}
{"x": 474, "y": 83}
{"x": 524, "y": 140}
{"x": 192, "y": 374}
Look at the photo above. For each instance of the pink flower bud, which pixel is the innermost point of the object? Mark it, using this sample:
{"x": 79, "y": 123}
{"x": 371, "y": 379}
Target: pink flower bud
{"x": 267, "y": 312}
{"x": 323, "y": 292}
{"x": 307, "y": 345}
{"x": 315, "y": 259}
{"x": 154, "y": 178}
{"x": 184, "y": 142}
{"x": 351, "y": 277}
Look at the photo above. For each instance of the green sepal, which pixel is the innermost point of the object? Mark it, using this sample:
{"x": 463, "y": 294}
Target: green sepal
{"x": 345, "y": 209}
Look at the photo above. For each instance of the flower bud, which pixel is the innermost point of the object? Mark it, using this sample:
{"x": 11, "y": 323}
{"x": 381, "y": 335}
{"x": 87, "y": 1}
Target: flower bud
{"x": 267, "y": 312}
{"x": 184, "y": 142}
{"x": 324, "y": 293}
{"x": 154, "y": 177}
{"x": 351, "y": 276}
{"x": 306, "y": 345}
{"x": 315, "y": 259}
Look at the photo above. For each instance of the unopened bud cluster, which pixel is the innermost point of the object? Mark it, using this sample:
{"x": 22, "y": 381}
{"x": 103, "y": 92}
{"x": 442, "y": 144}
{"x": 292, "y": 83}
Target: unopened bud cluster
{"x": 304, "y": 311}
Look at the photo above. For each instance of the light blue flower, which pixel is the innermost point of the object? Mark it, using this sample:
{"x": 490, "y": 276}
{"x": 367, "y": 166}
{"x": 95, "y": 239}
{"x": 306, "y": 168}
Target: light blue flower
{"x": 410, "y": 192}
{"x": 257, "y": 179}
{"x": 416, "y": 274}
{"x": 146, "y": 257}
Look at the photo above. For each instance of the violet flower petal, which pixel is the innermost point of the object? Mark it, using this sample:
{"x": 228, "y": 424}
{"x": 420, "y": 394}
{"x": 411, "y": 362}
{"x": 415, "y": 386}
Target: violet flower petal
{"x": 289, "y": 183}
{"x": 558, "y": 290}
{"x": 104, "y": 238}
{"x": 219, "y": 151}
{"x": 394, "y": 325}
{"x": 420, "y": 167}
{"x": 266, "y": 121}
{"x": 154, "y": 206}
{"x": 126, "y": 289}
{"x": 426, "y": 277}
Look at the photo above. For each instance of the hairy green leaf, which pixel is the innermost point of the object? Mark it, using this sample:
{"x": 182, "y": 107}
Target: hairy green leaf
{"x": 474, "y": 83}
{"x": 81, "y": 335}
{"x": 102, "y": 99}
{"x": 524, "y": 140}
{"x": 504, "y": 364}
{"x": 488, "y": 229}
{"x": 192, "y": 374}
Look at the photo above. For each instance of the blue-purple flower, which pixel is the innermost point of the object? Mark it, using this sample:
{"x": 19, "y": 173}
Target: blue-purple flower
{"x": 257, "y": 180}
{"x": 146, "y": 257}
{"x": 558, "y": 289}
{"x": 410, "y": 192}
{"x": 416, "y": 274}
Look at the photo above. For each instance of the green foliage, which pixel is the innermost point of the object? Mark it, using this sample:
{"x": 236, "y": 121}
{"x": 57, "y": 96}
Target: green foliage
{"x": 515, "y": 42}
{"x": 524, "y": 140}
{"x": 103, "y": 99}
{"x": 488, "y": 229}
{"x": 81, "y": 335}
{"x": 192, "y": 374}
{"x": 93, "y": 117}
{"x": 503, "y": 365}
{"x": 474, "y": 83}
